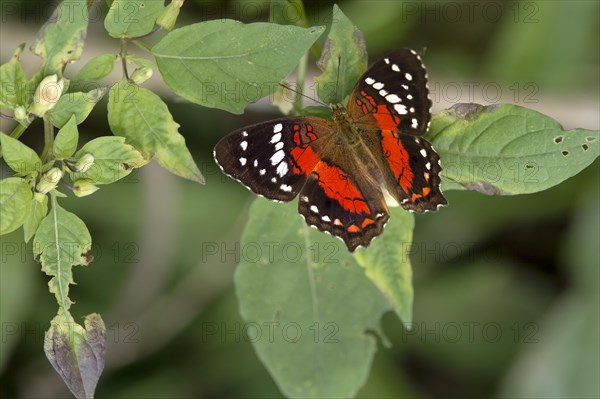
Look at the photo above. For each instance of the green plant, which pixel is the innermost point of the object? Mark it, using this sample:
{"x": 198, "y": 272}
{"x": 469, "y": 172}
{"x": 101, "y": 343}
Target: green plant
{"x": 496, "y": 150}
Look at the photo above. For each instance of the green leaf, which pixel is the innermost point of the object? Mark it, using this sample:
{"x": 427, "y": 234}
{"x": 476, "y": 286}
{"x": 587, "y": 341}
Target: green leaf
{"x": 77, "y": 354}
{"x": 343, "y": 61}
{"x": 222, "y": 63}
{"x": 507, "y": 149}
{"x": 320, "y": 310}
{"x": 132, "y": 18}
{"x": 113, "y": 160}
{"x": 61, "y": 242}
{"x": 145, "y": 121}
{"x": 387, "y": 264}
{"x": 97, "y": 68}
{"x": 34, "y": 218}
{"x": 77, "y": 104}
{"x": 61, "y": 39}
{"x": 18, "y": 156}
{"x": 66, "y": 140}
{"x": 13, "y": 90}
{"x": 15, "y": 203}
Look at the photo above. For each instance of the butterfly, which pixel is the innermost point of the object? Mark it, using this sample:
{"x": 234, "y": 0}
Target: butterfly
{"x": 340, "y": 168}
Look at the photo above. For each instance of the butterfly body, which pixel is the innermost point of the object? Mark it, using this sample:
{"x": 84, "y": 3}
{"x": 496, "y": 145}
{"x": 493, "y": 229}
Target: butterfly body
{"x": 340, "y": 168}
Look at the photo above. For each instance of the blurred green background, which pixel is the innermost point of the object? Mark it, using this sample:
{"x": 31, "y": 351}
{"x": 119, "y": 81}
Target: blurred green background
{"x": 506, "y": 288}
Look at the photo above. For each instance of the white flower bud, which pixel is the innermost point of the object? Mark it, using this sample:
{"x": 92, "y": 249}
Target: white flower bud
{"x": 46, "y": 95}
{"x": 49, "y": 181}
{"x": 140, "y": 75}
{"x": 84, "y": 187}
{"x": 84, "y": 163}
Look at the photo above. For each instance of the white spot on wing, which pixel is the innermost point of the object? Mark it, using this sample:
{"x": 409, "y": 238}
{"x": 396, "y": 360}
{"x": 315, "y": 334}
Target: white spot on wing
{"x": 400, "y": 108}
{"x": 409, "y": 96}
{"x": 277, "y": 128}
{"x": 262, "y": 172}
{"x": 428, "y": 165}
{"x": 405, "y": 87}
{"x": 244, "y": 134}
{"x": 326, "y": 218}
{"x": 386, "y": 60}
{"x": 423, "y": 152}
{"x": 414, "y": 123}
{"x": 274, "y": 180}
{"x": 369, "y": 81}
{"x": 277, "y": 157}
{"x": 243, "y": 161}
{"x": 282, "y": 169}
{"x": 383, "y": 93}
{"x": 255, "y": 163}
{"x": 314, "y": 209}
{"x": 408, "y": 76}
{"x": 278, "y": 146}
{"x": 276, "y": 137}
{"x": 393, "y": 98}
{"x": 286, "y": 188}
{"x": 395, "y": 68}
{"x": 304, "y": 198}
{"x": 244, "y": 145}
{"x": 378, "y": 86}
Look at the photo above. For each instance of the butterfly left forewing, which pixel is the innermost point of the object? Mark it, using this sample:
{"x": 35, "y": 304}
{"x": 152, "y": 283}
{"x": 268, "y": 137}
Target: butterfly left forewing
{"x": 274, "y": 158}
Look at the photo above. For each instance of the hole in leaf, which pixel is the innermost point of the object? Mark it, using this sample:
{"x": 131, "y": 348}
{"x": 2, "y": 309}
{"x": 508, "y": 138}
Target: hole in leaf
{"x": 529, "y": 166}
{"x": 558, "y": 139}
{"x": 565, "y": 153}
{"x": 585, "y": 147}
{"x": 589, "y": 139}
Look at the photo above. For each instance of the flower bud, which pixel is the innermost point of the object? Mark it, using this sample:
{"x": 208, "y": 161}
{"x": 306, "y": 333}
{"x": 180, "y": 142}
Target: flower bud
{"x": 84, "y": 187}
{"x": 49, "y": 181}
{"x": 140, "y": 75}
{"x": 84, "y": 163}
{"x": 20, "y": 113}
{"x": 169, "y": 14}
{"x": 46, "y": 95}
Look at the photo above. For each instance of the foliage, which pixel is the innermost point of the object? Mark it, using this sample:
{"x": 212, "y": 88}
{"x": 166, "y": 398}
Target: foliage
{"x": 336, "y": 300}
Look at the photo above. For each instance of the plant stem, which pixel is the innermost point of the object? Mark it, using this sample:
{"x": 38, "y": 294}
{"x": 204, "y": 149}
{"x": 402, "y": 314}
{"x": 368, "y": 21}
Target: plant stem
{"x": 48, "y": 139}
{"x": 123, "y": 59}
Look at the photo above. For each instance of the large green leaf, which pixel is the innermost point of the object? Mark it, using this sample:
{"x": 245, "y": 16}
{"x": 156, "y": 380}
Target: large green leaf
{"x": 317, "y": 311}
{"x": 61, "y": 38}
{"x": 343, "y": 61}
{"x": 61, "y": 242}
{"x": 145, "y": 121}
{"x": 506, "y": 149}
{"x": 387, "y": 264}
{"x": 18, "y": 156}
{"x": 78, "y": 104}
{"x": 227, "y": 64}
{"x": 13, "y": 90}
{"x": 113, "y": 160}
{"x": 132, "y": 18}
{"x": 15, "y": 203}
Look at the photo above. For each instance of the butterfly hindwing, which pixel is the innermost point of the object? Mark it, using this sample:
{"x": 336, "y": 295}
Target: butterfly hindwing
{"x": 272, "y": 159}
{"x": 346, "y": 207}
{"x": 411, "y": 171}
{"x": 393, "y": 94}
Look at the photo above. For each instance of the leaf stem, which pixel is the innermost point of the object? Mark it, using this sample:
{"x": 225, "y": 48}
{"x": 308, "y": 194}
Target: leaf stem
{"x": 300, "y": 76}
{"x": 48, "y": 139}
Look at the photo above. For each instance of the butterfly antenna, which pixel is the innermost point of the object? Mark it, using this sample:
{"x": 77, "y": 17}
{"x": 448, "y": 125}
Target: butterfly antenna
{"x": 337, "y": 79}
{"x": 302, "y": 94}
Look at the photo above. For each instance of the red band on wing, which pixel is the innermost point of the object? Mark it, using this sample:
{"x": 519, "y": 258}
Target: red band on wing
{"x": 337, "y": 186}
{"x": 398, "y": 159}
{"x": 385, "y": 120}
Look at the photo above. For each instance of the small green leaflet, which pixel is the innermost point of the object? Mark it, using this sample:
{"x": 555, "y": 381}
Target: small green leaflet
{"x": 13, "y": 90}
{"x": 78, "y": 104}
{"x": 18, "y": 156}
{"x": 39, "y": 209}
{"x": 146, "y": 123}
{"x": 65, "y": 142}
{"x": 61, "y": 242}
{"x": 132, "y": 18}
{"x": 97, "y": 68}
